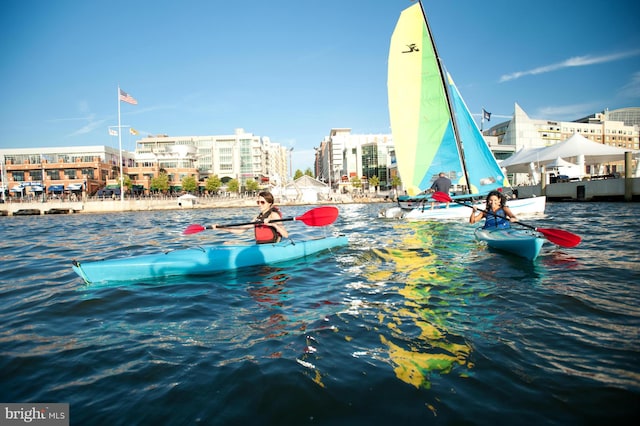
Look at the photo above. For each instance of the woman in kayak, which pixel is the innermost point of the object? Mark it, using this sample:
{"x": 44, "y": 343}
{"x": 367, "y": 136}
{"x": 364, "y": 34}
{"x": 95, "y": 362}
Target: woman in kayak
{"x": 497, "y": 214}
{"x": 265, "y": 231}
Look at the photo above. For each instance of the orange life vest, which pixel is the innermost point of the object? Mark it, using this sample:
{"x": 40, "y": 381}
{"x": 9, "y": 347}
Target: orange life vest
{"x": 264, "y": 233}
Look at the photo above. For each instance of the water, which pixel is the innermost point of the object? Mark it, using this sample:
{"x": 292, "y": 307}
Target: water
{"x": 413, "y": 323}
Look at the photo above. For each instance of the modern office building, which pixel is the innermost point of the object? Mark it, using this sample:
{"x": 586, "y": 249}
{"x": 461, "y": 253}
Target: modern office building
{"x": 343, "y": 156}
{"x": 616, "y": 128}
{"x": 619, "y": 128}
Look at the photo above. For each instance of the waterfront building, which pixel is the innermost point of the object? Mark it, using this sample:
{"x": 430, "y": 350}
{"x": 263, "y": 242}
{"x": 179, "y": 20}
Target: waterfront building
{"x": 241, "y": 156}
{"x": 619, "y": 128}
{"x": 54, "y": 171}
{"x": 343, "y": 157}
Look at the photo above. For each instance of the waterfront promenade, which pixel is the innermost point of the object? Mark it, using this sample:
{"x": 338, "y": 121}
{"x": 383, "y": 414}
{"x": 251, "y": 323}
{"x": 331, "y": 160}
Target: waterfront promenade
{"x": 93, "y": 205}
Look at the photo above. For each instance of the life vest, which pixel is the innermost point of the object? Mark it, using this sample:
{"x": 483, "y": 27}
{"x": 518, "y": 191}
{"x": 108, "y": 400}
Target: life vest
{"x": 496, "y": 219}
{"x": 266, "y": 234}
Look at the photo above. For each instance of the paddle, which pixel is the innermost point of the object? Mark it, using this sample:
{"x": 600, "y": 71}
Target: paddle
{"x": 320, "y": 216}
{"x": 556, "y": 236}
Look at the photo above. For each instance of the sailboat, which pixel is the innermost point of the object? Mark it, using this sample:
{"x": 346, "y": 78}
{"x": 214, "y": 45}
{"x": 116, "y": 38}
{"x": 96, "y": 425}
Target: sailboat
{"x": 433, "y": 130}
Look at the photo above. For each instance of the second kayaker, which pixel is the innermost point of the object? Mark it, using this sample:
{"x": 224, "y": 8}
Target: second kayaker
{"x": 497, "y": 214}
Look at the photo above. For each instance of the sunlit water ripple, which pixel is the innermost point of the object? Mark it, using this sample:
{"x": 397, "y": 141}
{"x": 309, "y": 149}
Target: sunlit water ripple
{"x": 413, "y": 323}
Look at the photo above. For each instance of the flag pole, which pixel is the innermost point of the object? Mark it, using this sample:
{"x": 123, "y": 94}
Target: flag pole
{"x": 120, "y": 149}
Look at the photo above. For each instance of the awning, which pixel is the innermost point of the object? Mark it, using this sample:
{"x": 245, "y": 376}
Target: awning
{"x": 17, "y": 189}
{"x": 56, "y": 188}
{"x": 74, "y": 187}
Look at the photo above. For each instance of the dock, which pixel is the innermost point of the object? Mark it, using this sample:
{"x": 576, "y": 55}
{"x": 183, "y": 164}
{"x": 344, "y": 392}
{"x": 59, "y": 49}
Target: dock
{"x": 616, "y": 189}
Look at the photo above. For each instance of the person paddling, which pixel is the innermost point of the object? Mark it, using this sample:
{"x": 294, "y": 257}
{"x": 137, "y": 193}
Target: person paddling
{"x": 497, "y": 214}
{"x": 265, "y": 231}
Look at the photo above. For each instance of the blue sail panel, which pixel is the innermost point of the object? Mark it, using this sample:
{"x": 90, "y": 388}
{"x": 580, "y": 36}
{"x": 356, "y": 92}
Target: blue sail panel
{"x": 482, "y": 168}
{"x": 447, "y": 160}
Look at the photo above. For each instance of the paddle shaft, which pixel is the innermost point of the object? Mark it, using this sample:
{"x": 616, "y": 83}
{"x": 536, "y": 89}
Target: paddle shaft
{"x": 255, "y": 222}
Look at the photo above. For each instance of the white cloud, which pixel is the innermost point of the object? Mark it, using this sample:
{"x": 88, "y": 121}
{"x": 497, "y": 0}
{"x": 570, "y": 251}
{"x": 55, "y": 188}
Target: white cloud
{"x": 578, "y": 61}
{"x": 564, "y": 111}
{"x": 632, "y": 88}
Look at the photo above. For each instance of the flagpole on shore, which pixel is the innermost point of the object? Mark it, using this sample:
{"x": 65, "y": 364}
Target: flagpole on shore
{"x": 120, "y": 150}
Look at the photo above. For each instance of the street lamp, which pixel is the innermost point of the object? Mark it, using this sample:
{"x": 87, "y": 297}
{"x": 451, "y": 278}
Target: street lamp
{"x": 290, "y": 164}
{"x": 44, "y": 187}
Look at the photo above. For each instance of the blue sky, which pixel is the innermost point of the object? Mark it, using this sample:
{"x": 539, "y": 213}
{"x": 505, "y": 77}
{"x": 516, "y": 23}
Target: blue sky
{"x": 293, "y": 70}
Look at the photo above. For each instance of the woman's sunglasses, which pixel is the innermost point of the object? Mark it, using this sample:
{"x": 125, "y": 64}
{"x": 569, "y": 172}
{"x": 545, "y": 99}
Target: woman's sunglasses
{"x": 261, "y": 202}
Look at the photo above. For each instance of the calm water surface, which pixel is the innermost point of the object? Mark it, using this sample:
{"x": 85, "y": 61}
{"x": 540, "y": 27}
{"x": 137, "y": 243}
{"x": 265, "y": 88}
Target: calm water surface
{"x": 413, "y": 323}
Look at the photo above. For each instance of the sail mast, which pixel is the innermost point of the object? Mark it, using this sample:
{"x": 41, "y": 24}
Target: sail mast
{"x": 445, "y": 85}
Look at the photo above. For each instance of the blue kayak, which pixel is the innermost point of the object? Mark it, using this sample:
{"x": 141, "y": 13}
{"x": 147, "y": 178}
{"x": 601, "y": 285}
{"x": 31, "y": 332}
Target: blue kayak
{"x": 519, "y": 242}
{"x": 201, "y": 260}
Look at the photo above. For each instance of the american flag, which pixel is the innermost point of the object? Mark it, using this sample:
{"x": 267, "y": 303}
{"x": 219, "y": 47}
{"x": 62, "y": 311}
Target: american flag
{"x": 125, "y": 97}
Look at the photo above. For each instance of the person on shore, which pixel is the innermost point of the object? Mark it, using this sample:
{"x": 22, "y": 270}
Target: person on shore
{"x": 265, "y": 230}
{"x": 497, "y": 214}
{"x": 441, "y": 184}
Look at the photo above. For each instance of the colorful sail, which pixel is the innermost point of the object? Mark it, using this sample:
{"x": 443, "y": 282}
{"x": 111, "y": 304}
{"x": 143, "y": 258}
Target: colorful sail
{"x": 427, "y": 139}
{"x": 420, "y": 120}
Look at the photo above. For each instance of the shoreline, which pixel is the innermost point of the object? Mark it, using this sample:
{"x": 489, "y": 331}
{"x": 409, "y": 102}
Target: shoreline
{"x": 154, "y": 204}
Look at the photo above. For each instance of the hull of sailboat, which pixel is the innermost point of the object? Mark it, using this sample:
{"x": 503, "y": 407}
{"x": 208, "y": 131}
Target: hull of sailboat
{"x": 440, "y": 211}
{"x": 518, "y": 242}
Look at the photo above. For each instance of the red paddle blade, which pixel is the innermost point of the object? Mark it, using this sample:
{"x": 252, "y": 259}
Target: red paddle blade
{"x": 193, "y": 229}
{"x": 320, "y": 216}
{"x": 441, "y": 197}
{"x": 560, "y": 237}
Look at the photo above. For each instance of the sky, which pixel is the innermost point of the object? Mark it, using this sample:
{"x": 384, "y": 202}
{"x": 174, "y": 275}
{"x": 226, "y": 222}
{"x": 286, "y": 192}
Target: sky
{"x": 293, "y": 70}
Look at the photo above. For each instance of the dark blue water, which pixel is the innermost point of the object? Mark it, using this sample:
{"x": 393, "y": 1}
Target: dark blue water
{"x": 413, "y": 323}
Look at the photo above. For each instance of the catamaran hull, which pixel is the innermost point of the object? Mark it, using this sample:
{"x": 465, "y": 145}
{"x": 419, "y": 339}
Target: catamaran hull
{"x": 440, "y": 211}
{"x": 201, "y": 260}
{"x": 518, "y": 242}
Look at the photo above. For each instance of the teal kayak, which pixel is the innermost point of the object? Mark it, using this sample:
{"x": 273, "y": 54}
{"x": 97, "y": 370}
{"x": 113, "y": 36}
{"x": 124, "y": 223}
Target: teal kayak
{"x": 201, "y": 260}
{"x": 519, "y": 242}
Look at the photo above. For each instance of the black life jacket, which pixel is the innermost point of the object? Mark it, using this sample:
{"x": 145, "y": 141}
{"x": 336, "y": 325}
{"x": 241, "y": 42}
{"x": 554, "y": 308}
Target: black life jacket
{"x": 266, "y": 234}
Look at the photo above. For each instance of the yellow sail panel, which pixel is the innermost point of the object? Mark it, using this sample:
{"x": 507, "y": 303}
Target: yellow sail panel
{"x": 418, "y": 109}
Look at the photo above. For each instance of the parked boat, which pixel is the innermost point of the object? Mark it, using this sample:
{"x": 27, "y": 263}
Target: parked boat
{"x": 432, "y": 128}
{"x": 519, "y": 242}
{"x": 201, "y": 260}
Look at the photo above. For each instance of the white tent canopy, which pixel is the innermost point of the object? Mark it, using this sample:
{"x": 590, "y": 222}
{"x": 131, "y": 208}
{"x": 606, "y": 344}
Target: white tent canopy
{"x": 305, "y": 188}
{"x": 577, "y": 149}
{"x": 559, "y": 162}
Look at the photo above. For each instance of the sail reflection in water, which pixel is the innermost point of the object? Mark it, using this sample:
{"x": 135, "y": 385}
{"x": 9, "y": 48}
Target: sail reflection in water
{"x": 415, "y": 333}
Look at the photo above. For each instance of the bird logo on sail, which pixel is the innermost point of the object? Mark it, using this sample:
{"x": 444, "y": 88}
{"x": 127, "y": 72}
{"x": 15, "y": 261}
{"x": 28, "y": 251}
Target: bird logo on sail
{"x": 412, "y": 48}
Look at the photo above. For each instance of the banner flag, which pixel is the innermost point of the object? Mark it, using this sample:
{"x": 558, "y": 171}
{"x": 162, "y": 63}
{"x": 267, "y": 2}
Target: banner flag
{"x": 125, "y": 97}
{"x": 113, "y": 132}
